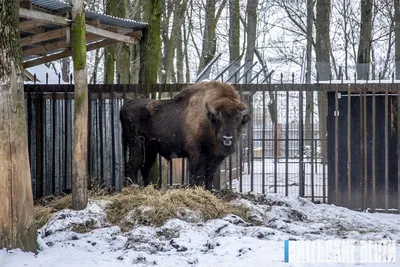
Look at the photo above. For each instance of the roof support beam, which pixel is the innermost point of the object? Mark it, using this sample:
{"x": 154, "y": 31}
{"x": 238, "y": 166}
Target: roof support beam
{"x": 60, "y": 33}
{"x": 68, "y": 53}
{"x": 110, "y": 35}
{"x": 31, "y": 24}
{"x": 54, "y": 46}
{"x": 41, "y": 16}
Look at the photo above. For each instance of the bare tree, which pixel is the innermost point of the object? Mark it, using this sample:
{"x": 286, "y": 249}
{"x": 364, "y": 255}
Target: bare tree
{"x": 234, "y": 31}
{"x": 209, "y": 35}
{"x": 364, "y": 45}
{"x": 251, "y": 33}
{"x": 323, "y": 67}
{"x": 397, "y": 36}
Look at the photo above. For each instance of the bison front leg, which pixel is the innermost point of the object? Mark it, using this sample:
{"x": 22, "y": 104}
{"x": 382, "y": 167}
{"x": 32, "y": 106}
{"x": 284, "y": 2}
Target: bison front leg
{"x": 210, "y": 174}
{"x": 197, "y": 172}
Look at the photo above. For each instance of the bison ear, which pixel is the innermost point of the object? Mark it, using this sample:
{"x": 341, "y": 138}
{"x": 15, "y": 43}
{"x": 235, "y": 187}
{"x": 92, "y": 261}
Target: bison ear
{"x": 246, "y": 116}
{"x": 245, "y": 119}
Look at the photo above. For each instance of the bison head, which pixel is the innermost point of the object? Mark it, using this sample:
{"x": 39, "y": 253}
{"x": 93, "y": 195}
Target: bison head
{"x": 227, "y": 118}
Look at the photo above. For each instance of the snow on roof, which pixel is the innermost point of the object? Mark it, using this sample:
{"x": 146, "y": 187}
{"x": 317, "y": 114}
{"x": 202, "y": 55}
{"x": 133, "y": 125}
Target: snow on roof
{"x": 62, "y": 7}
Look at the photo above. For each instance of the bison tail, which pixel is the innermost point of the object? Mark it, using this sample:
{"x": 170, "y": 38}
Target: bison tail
{"x": 124, "y": 148}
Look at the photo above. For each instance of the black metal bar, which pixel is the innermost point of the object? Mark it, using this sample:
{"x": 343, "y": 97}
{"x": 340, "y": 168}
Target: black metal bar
{"x": 276, "y": 143}
{"x": 263, "y": 145}
{"x": 89, "y": 142}
{"x": 160, "y": 182}
{"x": 349, "y": 158}
{"x": 386, "y": 152}
{"x": 171, "y": 178}
{"x": 100, "y": 106}
{"x": 220, "y": 75}
{"x": 287, "y": 142}
{"x": 45, "y": 150}
{"x": 361, "y": 167}
{"x": 365, "y": 198}
{"x": 257, "y": 75}
{"x": 113, "y": 158}
{"x": 301, "y": 145}
{"x": 398, "y": 151}
{"x": 240, "y": 151}
{"x": 66, "y": 138}
{"x": 312, "y": 144}
{"x": 251, "y": 144}
{"x": 246, "y": 72}
{"x": 374, "y": 149}
{"x": 38, "y": 137}
{"x": 234, "y": 75}
{"x": 336, "y": 147}
{"x": 207, "y": 67}
{"x": 54, "y": 121}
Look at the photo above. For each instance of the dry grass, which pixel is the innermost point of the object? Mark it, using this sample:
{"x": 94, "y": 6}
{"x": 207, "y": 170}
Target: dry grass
{"x": 149, "y": 206}
{"x": 154, "y": 207}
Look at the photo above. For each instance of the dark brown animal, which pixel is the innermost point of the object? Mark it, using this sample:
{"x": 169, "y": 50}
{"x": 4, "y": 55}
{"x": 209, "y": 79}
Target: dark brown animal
{"x": 201, "y": 123}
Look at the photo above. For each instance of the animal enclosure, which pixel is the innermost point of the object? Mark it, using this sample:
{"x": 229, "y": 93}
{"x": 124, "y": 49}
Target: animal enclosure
{"x": 281, "y": 150}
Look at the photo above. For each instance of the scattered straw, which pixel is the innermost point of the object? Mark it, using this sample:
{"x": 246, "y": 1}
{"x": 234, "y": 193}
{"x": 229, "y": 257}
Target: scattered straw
{"x": 149, "y": 206}
{"x": 154, "y": 207}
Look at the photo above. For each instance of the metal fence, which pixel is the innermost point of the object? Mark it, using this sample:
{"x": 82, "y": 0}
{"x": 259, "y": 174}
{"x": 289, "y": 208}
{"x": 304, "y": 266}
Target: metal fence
{"x": 353, "y": 163}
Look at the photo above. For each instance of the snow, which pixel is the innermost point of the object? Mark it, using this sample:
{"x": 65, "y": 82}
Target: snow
{"x": 229, "y": 241}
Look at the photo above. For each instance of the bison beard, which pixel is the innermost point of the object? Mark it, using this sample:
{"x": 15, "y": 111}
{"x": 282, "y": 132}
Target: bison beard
{"x": 201, "y": 123}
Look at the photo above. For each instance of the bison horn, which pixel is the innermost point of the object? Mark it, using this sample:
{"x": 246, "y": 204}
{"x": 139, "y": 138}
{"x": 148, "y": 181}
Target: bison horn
{"x": 210, "y": 109}
{"x": 246, "y": 112}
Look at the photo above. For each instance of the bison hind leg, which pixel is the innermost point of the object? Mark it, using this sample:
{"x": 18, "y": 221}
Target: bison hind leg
{"x": 135, "y": 161}
{"x": 150, "y": 157}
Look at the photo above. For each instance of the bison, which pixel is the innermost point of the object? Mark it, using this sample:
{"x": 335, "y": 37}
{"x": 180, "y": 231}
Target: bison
{"x": 202, "y": 123}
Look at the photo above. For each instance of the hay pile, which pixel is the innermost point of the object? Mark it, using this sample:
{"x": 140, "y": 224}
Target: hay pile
{"x": 149, "y": 206}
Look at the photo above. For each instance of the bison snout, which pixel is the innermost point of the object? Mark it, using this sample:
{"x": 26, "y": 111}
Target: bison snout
{"x": 227, "y": 140}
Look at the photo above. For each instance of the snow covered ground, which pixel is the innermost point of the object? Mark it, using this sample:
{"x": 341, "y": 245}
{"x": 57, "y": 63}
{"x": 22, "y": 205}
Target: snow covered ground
{"x": 228, "y": 241}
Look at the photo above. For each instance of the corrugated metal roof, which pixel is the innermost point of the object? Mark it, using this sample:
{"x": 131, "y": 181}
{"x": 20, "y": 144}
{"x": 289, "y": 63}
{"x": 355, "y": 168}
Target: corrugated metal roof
{"x": 63, "y": 7}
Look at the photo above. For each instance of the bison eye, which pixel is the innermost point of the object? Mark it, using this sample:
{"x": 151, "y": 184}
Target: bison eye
{"x": 245, "y": 119}
{"x": 213, "y": 118}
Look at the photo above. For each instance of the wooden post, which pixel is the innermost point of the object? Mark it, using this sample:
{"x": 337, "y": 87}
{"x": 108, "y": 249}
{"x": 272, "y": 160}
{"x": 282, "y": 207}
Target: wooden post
{"x": 79, "y": 152}
{"x": 17, "y": 221}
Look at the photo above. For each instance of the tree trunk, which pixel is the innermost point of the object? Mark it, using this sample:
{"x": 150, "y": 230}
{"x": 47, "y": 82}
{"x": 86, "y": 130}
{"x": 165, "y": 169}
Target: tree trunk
{"x": 179, "y": 57}
{"x": 150, "y": 50}
{"x": 397, "y": 36}
{"x": 364, "y": 45}
{"x": 209, "y": 37}
{"x": 17, "y": 220}
{"x": 322, "y": 50}
{"x": 186, "y": 34}
{"x": 79, "y": 149}
{"x": 309, "y": 94}
{"x": 251, "y": 33}
{"x": 122, "y": 49}
{"x": 110, "y": 51}
{"x": 135, "y": 49}
{"x": 65, "y": 71}
{"x": 234, "y": 33}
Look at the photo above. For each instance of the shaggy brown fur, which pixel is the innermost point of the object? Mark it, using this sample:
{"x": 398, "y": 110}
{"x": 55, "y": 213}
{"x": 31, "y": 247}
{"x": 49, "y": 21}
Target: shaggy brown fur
{"x": 202, "y": 123}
